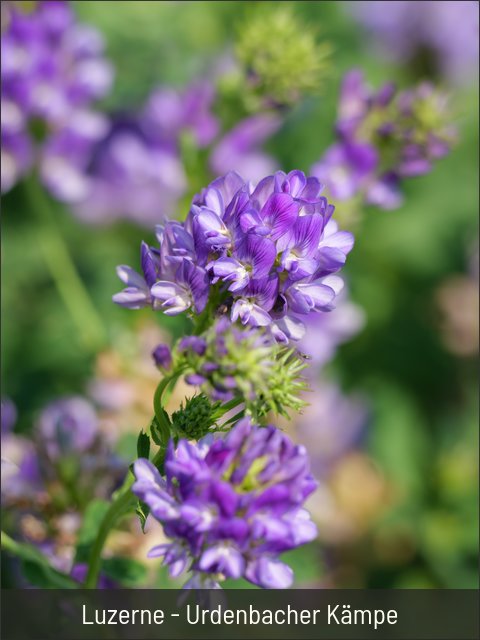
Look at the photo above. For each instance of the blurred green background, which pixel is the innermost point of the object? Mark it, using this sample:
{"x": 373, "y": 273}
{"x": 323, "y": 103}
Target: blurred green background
{"x": 423, "y": 438}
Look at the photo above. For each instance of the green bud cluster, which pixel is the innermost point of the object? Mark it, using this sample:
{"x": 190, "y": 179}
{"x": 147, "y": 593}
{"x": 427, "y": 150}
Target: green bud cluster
{"x": 280, "y": 56}
{"x": 195, "y": 418}
{"x": 245, "y": 363}
{"x": 285, "y": 384}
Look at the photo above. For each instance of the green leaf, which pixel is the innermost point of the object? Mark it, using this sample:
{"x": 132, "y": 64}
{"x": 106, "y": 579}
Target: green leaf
{"x": 143, "y": 445}
{"x": 142, "y": 512}
{"x": 124, "y": 570}
{"x": 36, "y": 567}
{"x": 94, "y": 514}
{"x": 159, "y": 434}
{"x": 40, "y": 575}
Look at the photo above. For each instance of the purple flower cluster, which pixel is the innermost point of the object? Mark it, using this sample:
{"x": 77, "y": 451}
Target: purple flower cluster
{"x": 68, "y": 425}
{"x": 131, "y": 175}
{"x": 327, "y": 331}
{"x": 268, "y": 253}
{"x": 52, "y": 69}
{"x": 408, "y": 30}
{"x": 332, "y": 425}
{"x": 66, "y": 435}
{"x": 230, "y": 506}
{"x": 239, "y": 149}
{"x": 137, "y": 171}
{"x": 383, "y": 137}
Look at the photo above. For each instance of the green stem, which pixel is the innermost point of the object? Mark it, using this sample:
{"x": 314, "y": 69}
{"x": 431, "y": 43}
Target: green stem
{"x": 63, "y": 271}
{"x": 124, "y": 499}
{"x": 119, "y": 507}
{"x": 28, "y": 553}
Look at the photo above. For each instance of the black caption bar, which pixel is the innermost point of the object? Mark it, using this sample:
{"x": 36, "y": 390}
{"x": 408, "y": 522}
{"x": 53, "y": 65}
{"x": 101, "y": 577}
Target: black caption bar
{"x": 230, "y": 614}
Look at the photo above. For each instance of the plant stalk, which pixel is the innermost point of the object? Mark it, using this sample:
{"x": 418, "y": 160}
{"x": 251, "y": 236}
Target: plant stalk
{"x": 63, "y": 271}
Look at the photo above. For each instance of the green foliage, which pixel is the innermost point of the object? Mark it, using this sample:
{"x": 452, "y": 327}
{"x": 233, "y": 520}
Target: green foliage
{"x": 40, "y": 575}
{"x": 159, "y": 434}
{"x": 92, "y": 518}
{"x": 143, "y": 445}
{"x": 126, "y": 571}
{"x": 36, "y": 567}
{"x": 142, "y": 510}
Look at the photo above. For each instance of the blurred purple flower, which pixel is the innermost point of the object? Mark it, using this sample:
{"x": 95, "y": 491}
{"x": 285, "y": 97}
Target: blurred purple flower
{"x": 169, "y": 112}
{"x": 231, "y": 506}
{"x": 383, "y": 137}
{"x": 326, "y": 332}
{"x": 345, "y": 167}
{"x": 270, "y": 251}
{"x": 162, "y": 356}
{"x": 52, "y": 70}
{"x": 238, "y": 150}
{"x": 67, "y": 426}
{"x": 19, "y": 464}
{"x": 130, "y": 175}
{"x": 136, "y": 171}
{"x": 331, "y": 425}
{"x": 8, "y": 416}
{"x": 446, "y": 31}
{"x": 79, "y": 574}
{"x": 21, "y": 475}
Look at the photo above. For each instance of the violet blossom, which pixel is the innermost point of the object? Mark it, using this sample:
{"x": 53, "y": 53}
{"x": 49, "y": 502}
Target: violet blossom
{"x": 68, "y": 425}
{"x": 326, "y": 332}
{"x": 383, "y": 137}
{"x": 52, "y": 70}
{"x": 230, "y": 506}
{"x": 239, "y": 149}
{"x": 331, "y": 425}
{"x": 422, "y": 31}
{"x": 136, "y": 170}
{"x": 131, "y": 175}
{"x": 19, "y": 465}
{"x": 269, "y": 252}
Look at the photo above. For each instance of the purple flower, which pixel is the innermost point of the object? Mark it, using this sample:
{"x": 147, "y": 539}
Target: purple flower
{"x": 8, "y": 416}
{"x": 21, "y": 476}
{"x": 268, "y": 252}
{"x": 79, "y": 573}
{"x": 66, "y": 426}
{"x": 20, "y": 465}
{"x": 327, "y": 331}
{"x": 238, "y": 150}
{"x": 383, "y": 137}
{"x": 190, "y": 289}
{"x": 331, "y": 425}
{"x": 193, "y": 343}
{"x": 131, "y": 175}
{"x": 231, "y": 506}
{"x": 346, "y": 168}
{"x": 52, "y": 70}
{"x": 16, "y": 158}
{"x": 406, "y": 30}
{"x": 169, "y": 112}
{"x": 162, "y": 356}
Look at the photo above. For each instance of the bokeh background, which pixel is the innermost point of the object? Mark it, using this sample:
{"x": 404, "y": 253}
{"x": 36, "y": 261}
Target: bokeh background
{"x": 393, "y": 424}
